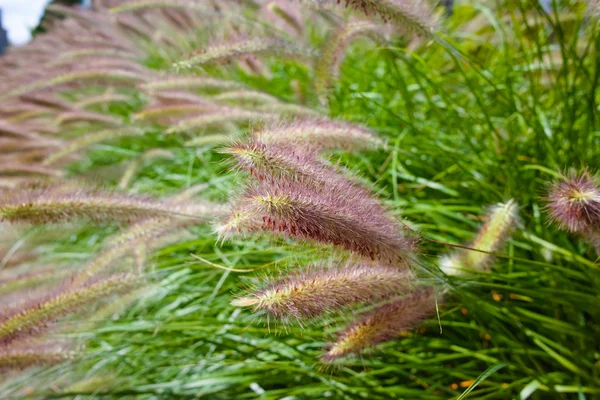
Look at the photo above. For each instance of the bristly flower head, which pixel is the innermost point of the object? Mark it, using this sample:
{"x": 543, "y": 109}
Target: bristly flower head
{"x": 281, "y": 161}
{"x": 339, "y": 215}
{"x": 574, "y": 203}
{"x": 23, "y": 355}
{"x": 382, "y": 324}
{"x": 494, "y": 232}
{"x": 220, "y": 116}
{"x": 321, "y": 134}
{"x": 235, "y": 48}
{"x": 36, "y": 315}
{"x": 189, "y": 83}
{"x": 594, "y": 8}
{"x": 316, "y": 291}
{"x": 57, "y": 203}
{"x": 413, "y": 15}
{"x": 284, "y": 15}
{"x": 332, "y": 54}
{"x": 135, "y": 5}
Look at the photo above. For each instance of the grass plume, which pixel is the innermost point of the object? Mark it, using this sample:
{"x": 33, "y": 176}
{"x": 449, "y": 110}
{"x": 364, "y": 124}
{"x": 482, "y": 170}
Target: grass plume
{"x": 24, "y": 355}
{"x": 227, "y": 50}
{"x": 38, "y": 314}
{"x": 383, "y": 324}
{"x": 49, "y": 204}
{"x": 413, "y": 15}
{"x": 322, "y": 134}
{"x": 316, "y": 291}
{"x": 337, "y": 215}
{"x": 90, "y": 139}
{"x": 494, "y": 232}
{"x": 332, "y": 53}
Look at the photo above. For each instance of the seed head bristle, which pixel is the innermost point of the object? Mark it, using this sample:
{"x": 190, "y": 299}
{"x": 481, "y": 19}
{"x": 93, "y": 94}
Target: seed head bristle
{"x": 284, "y": 15}
{"x": 174, "y": 112}
{"x": 106, "y": 98}
{"x": 245, "y": 96}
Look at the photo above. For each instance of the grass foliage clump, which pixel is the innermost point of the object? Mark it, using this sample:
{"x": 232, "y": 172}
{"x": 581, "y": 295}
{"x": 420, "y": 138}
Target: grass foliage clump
{"x": 302, "y": 199}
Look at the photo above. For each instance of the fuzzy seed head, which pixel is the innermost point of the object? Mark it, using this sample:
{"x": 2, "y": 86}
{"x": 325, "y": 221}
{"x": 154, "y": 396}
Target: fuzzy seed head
{"x": 332, "y": 54}
{"x": 239, "y": 47}
{"x": 383, "y": 324}
{"x": 494, "y": 232}
{"x": 23, "y": 355}
{"x": 50, "y": 204}
{"x": 283, "y": 161}
{"x": 318, "y": 290}
{"x": 574, "y": 203}
{"x": 339, "y": 215}
{"x": 413, "y": 15}
{"x": 36, "y": 315}
{"x": 321, "y": 134}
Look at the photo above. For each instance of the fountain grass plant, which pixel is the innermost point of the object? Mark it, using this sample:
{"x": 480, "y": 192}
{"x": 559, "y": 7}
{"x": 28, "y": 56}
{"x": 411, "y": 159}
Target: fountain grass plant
{"x": 483, "y": 107}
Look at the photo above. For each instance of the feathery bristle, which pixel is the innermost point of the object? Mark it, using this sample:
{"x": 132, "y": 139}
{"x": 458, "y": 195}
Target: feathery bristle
{"x": 36, "y": 278}
{"x": 8, "y": 168}
{"x": 284, "y": 15}
{"x": 317, "y": 291}
{"x": 68, "y": 57}
{"x": 147, "y": 233}
{"x": 383, "y": 324}
{"x": 106, "y": 98}
{"x": 288, "y": 110}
